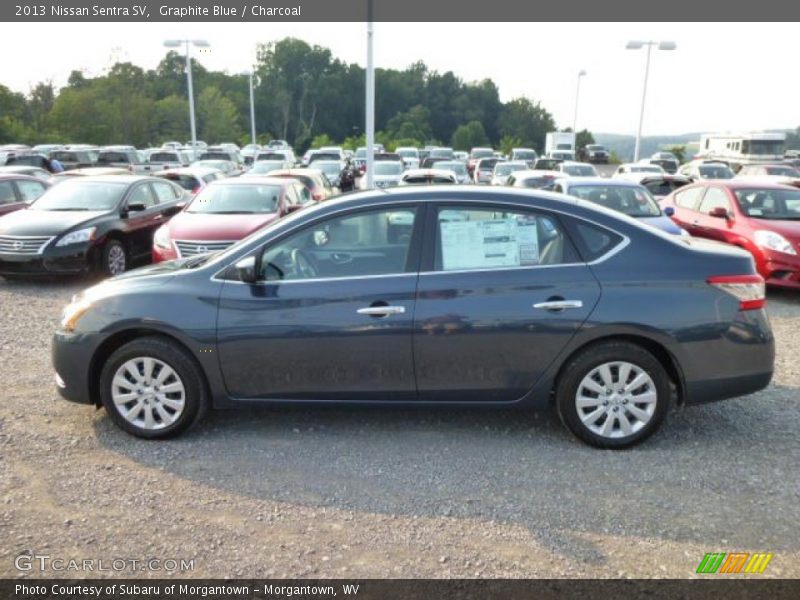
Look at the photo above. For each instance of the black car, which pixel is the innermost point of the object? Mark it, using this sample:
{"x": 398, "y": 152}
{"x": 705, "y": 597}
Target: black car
{"x": 442, "y": 296}
{"x": 85, "y": 224}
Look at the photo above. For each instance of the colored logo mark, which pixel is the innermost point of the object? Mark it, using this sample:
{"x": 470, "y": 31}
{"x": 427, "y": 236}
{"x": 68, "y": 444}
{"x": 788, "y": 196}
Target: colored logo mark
{"x": 734, "y": 562}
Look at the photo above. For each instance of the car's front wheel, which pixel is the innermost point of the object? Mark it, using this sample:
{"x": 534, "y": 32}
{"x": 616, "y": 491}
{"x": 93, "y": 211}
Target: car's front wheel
{"x": 113, "y": 258}
{"x": 151, "y": 387}
{"x": 613, "y": 394}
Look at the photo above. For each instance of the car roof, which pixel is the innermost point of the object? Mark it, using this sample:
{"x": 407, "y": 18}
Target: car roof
{"x": 607, "y": 182}
{"x": 190, "y": 170}
{"x": 745, "y": 184}
{"x": 19, "y": 176}
{"x": 253, "y": 180}
{"x": 115, "y": 178}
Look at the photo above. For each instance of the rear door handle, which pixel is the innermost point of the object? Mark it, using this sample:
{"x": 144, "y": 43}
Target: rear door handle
{"x": 559, "y": 304}
{"x": 381, "y": 311}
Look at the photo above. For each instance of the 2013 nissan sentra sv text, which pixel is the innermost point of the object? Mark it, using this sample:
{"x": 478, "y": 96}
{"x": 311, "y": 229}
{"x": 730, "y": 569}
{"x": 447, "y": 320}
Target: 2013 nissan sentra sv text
{"x": 440, "y": 296}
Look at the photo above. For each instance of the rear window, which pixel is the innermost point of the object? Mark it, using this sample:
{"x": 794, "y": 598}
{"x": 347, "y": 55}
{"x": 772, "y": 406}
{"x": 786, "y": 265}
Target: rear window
{"x": 594, "y": 241}
{"x": 215, "y": 156}
{"x": 64, "y": 156}
{"x": 164, "y": 157}
{"x": 112, "y": 157}
{"x": 187, "y": 182}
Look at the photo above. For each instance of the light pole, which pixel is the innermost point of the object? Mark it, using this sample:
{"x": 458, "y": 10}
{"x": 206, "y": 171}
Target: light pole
{"x": 252, "y": 108}
{"x": 636, "y": 45}
{"x": 186, "y": 43}
{"x": 370, "y": 100}
{"x": 581, "y": 75}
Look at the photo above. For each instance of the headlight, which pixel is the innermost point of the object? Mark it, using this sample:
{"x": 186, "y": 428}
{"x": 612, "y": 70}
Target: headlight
{"x": 161, "y": 238}
{"x": 73, "y": 312}
{"x": 77, "y": 237}
{"x": 774, "y": 241}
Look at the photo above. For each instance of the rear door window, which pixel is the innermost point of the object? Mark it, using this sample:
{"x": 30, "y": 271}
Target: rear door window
{"x": 30, "y": 190}
{"x": 689, "y": 198}
{"x": 7, "y": 194}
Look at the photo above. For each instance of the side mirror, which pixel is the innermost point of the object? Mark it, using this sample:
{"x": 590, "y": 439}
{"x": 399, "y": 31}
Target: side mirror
{"x": 669, "y": 211}
{"x": 719, "y": 212}
{"x": 246, "y": 268}
{"x": 136, "y": 207}
{"x": 291, "y": 208}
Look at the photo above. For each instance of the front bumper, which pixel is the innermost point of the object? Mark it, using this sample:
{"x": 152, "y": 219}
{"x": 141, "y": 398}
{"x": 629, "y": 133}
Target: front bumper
{"x": 72, "y": 259}
{"x": 71, "y": 355}
{"x": 781, "y": 270}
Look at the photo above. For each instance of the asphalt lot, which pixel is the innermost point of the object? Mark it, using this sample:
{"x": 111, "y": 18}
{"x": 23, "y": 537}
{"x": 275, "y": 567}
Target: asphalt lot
{"x": 390, "y": 493}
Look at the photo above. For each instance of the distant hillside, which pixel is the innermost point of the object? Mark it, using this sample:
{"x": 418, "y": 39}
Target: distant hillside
{"x": 623, "y": 145}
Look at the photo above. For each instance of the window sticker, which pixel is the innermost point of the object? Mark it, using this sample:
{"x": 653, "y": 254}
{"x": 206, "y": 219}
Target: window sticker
{"x": 492, "y": 243}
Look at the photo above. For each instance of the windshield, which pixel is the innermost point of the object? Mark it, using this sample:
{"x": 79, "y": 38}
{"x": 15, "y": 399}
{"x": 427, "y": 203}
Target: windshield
{"x": 595, "y": 147}
{"x": 187, "y": 182}
{"x": 715, "y": 172}
{"x": 221, "y": 165}
{"x": 580, "y": 170}
{"x": 525, "y": 154}
{"x": 408, "y": 153}
{"x": 632, "y": 201}
{"x": 388, "y": 168}
{"x": 770, "y": 203}
{"x": 459, "y": 168}
{"x": 330, "y": 168}
{"x": 236, "y": 199}
{"x": 265, "y": 166}
{"x": 646, "y": 170}
{"x": 482, "y": 153}
{"x": 487, "y": 164}
{"x": 442, "y": 153}
{"x": 504, "y": 169}
{"x": 81, "y": 195}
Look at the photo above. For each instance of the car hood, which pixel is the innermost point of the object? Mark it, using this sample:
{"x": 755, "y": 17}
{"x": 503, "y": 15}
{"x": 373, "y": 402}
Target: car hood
{"x": 45, "y": 222}
{"x": 210, "y": 227}
{"x": 663, "y": 222}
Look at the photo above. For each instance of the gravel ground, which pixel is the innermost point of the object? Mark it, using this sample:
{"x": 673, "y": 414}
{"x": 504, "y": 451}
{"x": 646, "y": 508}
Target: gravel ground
{"x": 390, "y": 493}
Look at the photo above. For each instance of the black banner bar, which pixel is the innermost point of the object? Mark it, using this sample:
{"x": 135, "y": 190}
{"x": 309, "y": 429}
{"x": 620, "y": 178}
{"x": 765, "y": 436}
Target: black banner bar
{"x": 396, "y": 589}
{"x": 393, "y": 10}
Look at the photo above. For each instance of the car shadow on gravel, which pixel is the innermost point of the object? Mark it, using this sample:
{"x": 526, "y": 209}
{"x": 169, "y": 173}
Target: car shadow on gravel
{"x": 713, "y": 474}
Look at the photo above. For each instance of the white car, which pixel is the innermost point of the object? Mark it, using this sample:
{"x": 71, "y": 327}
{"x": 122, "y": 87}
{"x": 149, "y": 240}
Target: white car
{"x": 409, "y": 155}
{"x": 458, "y": 167}
{"x": 538, "y": 179}
{"x": 427, "y": 177}
{"x": 484, "y": 169}
{"x": 706, "y": 169}
{"x": 503, "y": 169}
{"x": 577, "y": 169}
{"x": 387, "y": 173}
{"x": 771, "y": 173}
{"x": 633, "y": 171}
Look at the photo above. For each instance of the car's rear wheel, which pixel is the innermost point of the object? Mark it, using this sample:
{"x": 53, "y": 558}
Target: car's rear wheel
{"x": 152, "y": 388}
{"x": 114, "y": 258}
{"x": 613, "y": 394}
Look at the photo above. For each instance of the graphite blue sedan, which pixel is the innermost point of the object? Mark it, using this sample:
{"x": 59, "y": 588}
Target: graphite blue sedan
{"x": 627, "y": 197}
{"x": 443, "y": 296}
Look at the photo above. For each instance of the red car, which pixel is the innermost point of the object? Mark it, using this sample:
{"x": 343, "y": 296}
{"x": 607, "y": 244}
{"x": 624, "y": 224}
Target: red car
{"x": 17, "y": 191}
{"x": 223, "y": 213}
{"x": 762, "y": 218}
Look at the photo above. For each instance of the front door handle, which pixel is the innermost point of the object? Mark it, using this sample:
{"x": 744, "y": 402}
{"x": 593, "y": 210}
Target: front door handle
{"x": 559, "y": 304}
{"x": 382, "y": 311}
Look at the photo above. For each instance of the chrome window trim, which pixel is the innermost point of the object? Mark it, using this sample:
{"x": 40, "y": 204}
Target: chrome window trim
{"x": 217, "y": 275}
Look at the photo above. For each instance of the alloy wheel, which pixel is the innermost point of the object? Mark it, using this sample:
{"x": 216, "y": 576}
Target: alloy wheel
{"x": 148, "y": 393}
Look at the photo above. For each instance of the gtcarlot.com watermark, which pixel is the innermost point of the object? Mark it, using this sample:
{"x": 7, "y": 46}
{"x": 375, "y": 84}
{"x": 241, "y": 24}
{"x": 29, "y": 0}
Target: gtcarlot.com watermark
{"x": 40, "y": 563}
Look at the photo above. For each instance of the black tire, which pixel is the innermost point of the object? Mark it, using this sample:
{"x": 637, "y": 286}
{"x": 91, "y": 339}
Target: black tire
{"x": 593, "y": 356}
{"x": 196, "y": 399}
{"x": 111, "y": 250}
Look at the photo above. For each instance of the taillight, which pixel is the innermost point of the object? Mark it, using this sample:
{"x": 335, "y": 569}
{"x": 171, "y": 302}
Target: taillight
{"x": 750, "y": 290}
{"x": 195, "y": 189}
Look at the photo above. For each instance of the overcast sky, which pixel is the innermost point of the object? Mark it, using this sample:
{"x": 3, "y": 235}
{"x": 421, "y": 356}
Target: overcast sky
{"x": 721, "y": 77}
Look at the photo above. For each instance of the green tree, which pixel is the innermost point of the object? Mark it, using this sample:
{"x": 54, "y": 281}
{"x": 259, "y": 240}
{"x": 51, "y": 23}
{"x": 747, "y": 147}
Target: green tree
{"x": 679, "y": 150}
{"x": 469, "y": 135}
{"x": 217, "y": 117}
{"x": 508, "y": 142}
{"x": 171, "y": 119}
{"x": 323, "y": 139}
{"x": 583, "y": 138}
{"x": 526, "y": 120}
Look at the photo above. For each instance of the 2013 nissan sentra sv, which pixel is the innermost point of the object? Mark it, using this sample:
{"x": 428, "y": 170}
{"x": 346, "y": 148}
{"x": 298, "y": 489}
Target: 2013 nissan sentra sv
{"x": 439, "y": 296}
